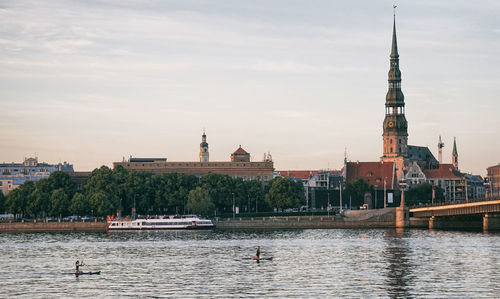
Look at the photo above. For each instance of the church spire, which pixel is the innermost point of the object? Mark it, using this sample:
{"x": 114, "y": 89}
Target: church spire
{"x": 454, "y": 154}
{"x": 395, "y": 125}
{"x": 394, "y": 51}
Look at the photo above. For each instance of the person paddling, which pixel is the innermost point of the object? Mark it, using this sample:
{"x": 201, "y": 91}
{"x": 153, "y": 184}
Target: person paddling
{"x": 78, "y": 264}
{"x": 257, "y": 254}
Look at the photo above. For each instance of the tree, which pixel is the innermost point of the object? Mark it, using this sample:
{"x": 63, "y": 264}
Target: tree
{"x": 285, "y": 193}
{"x": 255, "y": 193}
{"x": 59, "y": 203}
{"x": 40, "y": 206}
{"x": 102, "y": 191}
{"x": 79, "y": 205}
{"x": 200, "y": 202}
{"x": 19, "y": 199}
{"x": 422, "y": 194}
{"x": 100, "y": 204}
{"x": 2, "y": 202}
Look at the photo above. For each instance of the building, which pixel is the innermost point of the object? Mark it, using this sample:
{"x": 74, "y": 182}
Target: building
{"x": 239, "y": 165}
{"x": 448, "y": 178}
{"x": 475, "y": 186}
{"x": 395, "y": 125}
{"x": 14, "y": 174}
{"x": 493, "y": 181}
{"x": 381, "y": 175}
{"x": 204, "y": 148}
{"x": 321, "y": 187}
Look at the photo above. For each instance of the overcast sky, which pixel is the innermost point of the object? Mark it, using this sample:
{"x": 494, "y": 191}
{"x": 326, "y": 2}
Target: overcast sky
{"x": 90, "y": 82}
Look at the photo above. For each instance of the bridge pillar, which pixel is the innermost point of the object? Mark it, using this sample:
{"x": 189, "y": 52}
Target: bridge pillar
{"x": 431, "y": 222}
{"x": 491, "y": 222}
{"x": 402, "y": 217}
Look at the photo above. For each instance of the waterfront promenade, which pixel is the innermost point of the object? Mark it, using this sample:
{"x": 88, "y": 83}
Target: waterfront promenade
{"x": 382, "y": 218}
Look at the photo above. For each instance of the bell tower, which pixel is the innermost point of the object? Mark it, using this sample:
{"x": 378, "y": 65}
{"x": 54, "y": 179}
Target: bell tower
{"x": 395, "y": 125}
{"x": 204, "y": 148}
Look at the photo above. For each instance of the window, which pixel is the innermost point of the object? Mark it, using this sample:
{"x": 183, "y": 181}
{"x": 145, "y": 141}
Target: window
{"x": 390, "y": 141}
{"x": 391, "y": 149}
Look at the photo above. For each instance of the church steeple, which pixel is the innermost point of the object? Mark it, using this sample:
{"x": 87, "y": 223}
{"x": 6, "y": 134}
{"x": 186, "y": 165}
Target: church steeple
{"x": 454, "y": 154}
{"x": 395, "y": 125}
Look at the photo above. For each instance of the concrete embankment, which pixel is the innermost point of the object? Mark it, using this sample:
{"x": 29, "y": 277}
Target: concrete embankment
{"x": 53, "y": 227}
{"x": 383, "y": 218}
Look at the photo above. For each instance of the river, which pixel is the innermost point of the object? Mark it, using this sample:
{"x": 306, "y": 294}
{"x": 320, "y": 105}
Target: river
{"x": 206, "y": 264}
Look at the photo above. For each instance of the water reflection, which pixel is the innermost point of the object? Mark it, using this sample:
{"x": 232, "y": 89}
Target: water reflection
{"x": 398, "y": 271}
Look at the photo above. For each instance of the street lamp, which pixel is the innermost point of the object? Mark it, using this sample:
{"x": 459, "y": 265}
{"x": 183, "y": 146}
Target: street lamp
{"x": 234, "y": 208}
{"x": 133, "y": 212}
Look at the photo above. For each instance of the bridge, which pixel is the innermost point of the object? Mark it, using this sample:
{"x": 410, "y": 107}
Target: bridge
{"x": 458, "y": 214}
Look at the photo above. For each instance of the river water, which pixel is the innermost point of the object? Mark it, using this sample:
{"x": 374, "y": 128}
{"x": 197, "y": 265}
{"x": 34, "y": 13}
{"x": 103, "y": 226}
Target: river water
{"x": 206, "y": 264}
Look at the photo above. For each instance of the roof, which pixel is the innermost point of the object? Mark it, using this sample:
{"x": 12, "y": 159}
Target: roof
{"x": 304, "y": 174}
{"x": 420, "y": 153}
{"x": 148, "y": 160}
{"x": 297, "y": 174}
{"x": 374, "y": 173}
{"x": 445, "y": 171}
{"x": 240, "y": 151}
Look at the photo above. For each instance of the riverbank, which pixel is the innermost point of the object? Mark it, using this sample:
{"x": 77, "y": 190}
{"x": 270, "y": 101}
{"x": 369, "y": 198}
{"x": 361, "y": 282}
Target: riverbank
{"x": 38, "y": 227}
{"x": 381, "y": 218}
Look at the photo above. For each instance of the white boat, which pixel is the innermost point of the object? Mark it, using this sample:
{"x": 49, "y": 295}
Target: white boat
{"x": 161, "y": 222}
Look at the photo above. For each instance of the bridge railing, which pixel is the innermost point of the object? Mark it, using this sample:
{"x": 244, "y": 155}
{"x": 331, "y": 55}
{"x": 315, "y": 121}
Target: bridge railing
{"x": 454, "y": 202}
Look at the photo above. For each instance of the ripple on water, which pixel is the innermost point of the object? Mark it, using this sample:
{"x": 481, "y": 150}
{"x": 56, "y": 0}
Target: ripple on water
{"x": 306, "y": 263}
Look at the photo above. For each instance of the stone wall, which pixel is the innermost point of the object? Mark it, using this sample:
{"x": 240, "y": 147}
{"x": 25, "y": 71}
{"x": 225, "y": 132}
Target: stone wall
{"x": 53, "y": 227}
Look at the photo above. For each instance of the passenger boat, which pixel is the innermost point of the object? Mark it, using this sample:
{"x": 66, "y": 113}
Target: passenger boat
{"x": 160, "y": 223}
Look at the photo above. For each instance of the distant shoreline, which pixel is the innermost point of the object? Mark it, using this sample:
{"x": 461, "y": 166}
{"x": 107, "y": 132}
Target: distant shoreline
{"x": 382, "y": 218}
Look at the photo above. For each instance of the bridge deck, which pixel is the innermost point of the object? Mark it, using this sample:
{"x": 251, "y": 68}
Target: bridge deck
{"x": 480, "y": 207}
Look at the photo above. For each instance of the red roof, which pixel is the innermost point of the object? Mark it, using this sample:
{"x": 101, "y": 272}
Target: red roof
{"x": 303, "y": 174}
{"x": 240, "y": 151}
{"x": 375, "y": 173}
{"x": 445, "y": 171}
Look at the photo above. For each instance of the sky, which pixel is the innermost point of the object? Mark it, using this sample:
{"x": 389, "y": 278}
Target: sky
{"x": 91, "y": 82}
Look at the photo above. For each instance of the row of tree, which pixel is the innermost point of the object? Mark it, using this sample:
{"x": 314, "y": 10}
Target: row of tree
{"x": 120, "y": 191}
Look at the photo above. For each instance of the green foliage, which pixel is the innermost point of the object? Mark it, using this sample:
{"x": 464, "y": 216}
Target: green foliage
{"x": 79, "y": 205}
{"x": 111, "y": 191}
{"x": 200, "y": 202}
{"x": 422, "y": 194}
{"x": 59, "y": 203}
{"x": 2, "y": 202}
{"x": 284, "y": 193}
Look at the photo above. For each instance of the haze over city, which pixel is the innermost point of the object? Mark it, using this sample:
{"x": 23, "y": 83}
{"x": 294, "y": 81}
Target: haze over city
{"x": 90, "y": 82}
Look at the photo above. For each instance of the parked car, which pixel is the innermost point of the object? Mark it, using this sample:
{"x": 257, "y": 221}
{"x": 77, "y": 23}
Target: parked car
{"x": 71, "y": 218}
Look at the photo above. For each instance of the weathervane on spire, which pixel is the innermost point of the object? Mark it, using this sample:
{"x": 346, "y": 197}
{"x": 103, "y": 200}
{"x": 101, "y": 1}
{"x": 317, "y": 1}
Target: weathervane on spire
{"x": 394, "y": 6}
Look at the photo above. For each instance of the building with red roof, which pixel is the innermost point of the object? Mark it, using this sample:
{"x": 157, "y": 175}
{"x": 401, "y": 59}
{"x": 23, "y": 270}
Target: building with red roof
{"x": 240, "y": 155}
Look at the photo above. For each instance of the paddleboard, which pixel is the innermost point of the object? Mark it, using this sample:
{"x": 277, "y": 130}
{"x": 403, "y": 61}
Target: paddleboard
{"x": 86, "y": 273}
{"x": 260, "y": 259}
